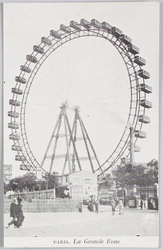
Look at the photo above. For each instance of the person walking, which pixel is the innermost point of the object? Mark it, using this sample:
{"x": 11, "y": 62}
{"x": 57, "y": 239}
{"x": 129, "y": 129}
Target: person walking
{"x": 96, "y": 206}
{"x": 113, "y": 207}
{"x": 90, "y": 206}
{"x": 120, "y": 207}
{"x": 19, "y": 212}
{"x": 13, "y": 212}
{"x": 146, "y": 204}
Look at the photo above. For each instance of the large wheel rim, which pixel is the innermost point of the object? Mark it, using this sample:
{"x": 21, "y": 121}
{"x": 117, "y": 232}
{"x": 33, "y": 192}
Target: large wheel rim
{"x": 135, "y": 109}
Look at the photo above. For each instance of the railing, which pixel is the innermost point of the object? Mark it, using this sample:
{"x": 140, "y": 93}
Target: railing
{"x": 41, "y": 194}
{"x": 47, "y": 205}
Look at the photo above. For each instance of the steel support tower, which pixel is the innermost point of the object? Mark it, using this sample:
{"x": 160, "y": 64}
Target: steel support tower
{"x": 71, "y": 156}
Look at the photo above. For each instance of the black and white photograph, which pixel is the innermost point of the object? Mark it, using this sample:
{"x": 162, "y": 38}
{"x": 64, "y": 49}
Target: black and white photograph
{"x": 81, "y": 124}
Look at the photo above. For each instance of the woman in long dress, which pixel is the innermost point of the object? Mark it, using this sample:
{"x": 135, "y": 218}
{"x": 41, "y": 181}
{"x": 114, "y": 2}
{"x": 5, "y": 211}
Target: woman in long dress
{"x": 120, "y": 207}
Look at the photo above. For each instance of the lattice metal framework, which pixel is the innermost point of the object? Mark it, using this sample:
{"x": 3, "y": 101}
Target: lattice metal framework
{"x": 71, "y": 138}
{"x": 137, "y": 76}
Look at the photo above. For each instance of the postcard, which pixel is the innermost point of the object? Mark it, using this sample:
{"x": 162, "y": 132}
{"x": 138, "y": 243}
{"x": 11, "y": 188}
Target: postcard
{"x": 81, "y": 124}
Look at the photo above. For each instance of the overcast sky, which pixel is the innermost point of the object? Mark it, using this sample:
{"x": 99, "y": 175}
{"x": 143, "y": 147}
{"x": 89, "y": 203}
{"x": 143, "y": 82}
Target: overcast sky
{"x": 87, "y": 72}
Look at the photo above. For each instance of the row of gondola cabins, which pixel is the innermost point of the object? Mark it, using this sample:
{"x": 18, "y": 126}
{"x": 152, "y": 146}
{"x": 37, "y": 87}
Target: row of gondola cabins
{"x": 58, "y": 35}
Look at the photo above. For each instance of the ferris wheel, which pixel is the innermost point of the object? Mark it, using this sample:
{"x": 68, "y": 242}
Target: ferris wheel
{"x": 137, "y": 76}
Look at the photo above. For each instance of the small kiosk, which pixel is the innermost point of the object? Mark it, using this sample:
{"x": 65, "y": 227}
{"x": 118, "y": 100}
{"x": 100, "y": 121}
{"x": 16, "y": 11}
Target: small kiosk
{"x": 80, "y": 184}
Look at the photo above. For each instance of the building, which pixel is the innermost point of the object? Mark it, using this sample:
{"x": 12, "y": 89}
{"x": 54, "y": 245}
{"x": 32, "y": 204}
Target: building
{"x": 7, "y": 170}
{"x": 80, "y": 185}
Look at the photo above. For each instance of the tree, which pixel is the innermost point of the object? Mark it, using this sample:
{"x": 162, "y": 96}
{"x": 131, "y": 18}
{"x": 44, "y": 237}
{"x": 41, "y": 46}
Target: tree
{"x": 153, "y": 170}
{"x": 51, "y": 180}
{"x": 27, "y": 181}
{"x": 15, "y": 184}
{"x": 120, "y": 176}
{"x": 106, "y": 181}
{"x": 140, "y": 174}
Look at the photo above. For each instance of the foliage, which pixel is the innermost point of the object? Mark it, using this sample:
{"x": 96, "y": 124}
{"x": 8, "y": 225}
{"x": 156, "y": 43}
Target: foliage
{"x": 107, "y": 181}
{"x": 141, "y": 174}
{"x": 51, "y": 180}
{"x": 27, "y": 181}
{"x": 153, "y": 170}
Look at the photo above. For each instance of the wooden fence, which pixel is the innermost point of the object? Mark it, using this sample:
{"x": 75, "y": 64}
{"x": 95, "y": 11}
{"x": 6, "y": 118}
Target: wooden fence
{"x": 47, "y": 205}
{"x": 28, "y": 196}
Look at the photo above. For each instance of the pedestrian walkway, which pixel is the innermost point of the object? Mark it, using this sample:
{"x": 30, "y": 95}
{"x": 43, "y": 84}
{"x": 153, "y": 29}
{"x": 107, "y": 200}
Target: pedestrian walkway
{"x": 133, "y": 222}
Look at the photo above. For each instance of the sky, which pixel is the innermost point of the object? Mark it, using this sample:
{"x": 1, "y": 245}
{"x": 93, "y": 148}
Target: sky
{"x": 86, "y": 72}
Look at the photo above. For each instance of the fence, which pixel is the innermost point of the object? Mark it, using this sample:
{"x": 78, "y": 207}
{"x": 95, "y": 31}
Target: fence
{"x": 47, "y": 205}
{"x": 42, "y": 194}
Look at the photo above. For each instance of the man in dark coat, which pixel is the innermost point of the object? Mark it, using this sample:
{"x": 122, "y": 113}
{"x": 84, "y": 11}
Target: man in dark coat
{"x": 141, "y": 204}
{"x": 113, "y": 204}
{"x": 96, "y": 206}
{"x": 13, "y": 209}
{"x": 19, "y": 212}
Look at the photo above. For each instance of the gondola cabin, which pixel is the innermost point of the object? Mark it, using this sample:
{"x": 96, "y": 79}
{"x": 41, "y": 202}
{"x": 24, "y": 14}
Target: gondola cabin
{"x": 38, "y": 49}
{"x": 146, "y": 88}
{"x": 32, "y": 59}
{"x": 85, "y": 23}
{"x": 140, "y": 134}
{"x": 145, "y": 103}
{"x": 65, "y": 29}
{"x": 55, "y": 34}
{"x": 133, "y": 49}
{"x": 144, "y": 74}
{"x": 13, "y": 114}
{"x": 46, "y": 41}
{"x": 144, "y": 119}
{"x": 75, "y": 25}
{"x": 96, "y": 24}
{"x": 13, "y": 125}
{"x": 20, "y": 158}
{"x": 17, "y": 91}
{"x": 107, "y": 27}
{"x": 25, "y": 167}
{"x": 16, "y": 148}
{"x": 14, "y": 137}
{"x": 136, "y": 148}
{"x": 125, "y": 39}
{"x": 116, "y": 32}
{"x": 139, "y": 60}
{"x": 25, "y": 69}
{"x": 20, "y": 79}
{"x": 14, "y": 102}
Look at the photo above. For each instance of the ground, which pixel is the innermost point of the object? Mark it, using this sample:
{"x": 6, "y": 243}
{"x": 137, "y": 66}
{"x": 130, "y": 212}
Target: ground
{"x": 133, "y": 222}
